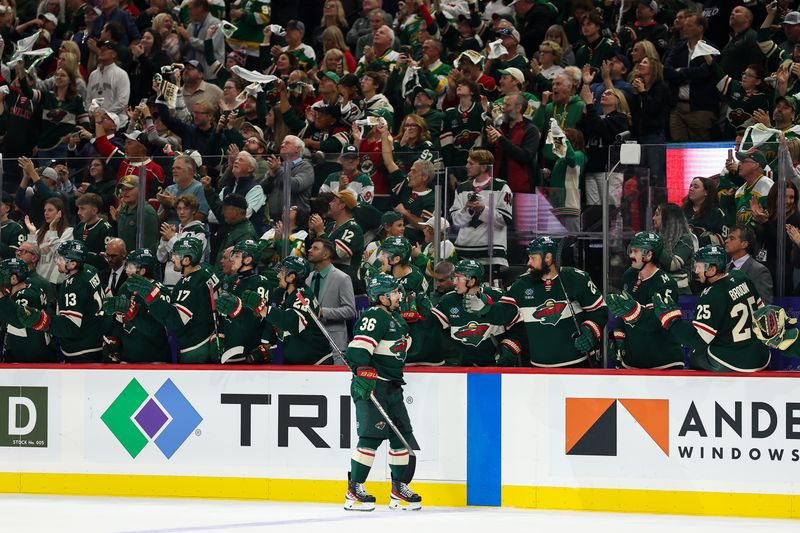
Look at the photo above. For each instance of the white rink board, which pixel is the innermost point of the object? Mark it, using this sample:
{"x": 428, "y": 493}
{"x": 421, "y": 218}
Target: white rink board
{"x": 535, "y": 434}
{"x": 80, "y": 442}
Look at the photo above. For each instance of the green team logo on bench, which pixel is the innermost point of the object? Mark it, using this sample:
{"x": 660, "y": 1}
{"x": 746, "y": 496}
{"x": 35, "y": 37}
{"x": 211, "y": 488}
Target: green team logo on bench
{"x": 167, "y": 418}
{"x": 549, "y": 312}
{"x": 23, "y": 417}
{"x": 471, "y": 334}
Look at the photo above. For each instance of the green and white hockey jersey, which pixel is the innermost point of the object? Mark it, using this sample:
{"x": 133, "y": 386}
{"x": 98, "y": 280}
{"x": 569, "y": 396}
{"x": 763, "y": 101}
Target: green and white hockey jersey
{"x": 461, "y": 132}
{"x": 721, "y": 333}
{"x": 547, "y": 323}
{"x": 474, "y": 228}
{"x": 291, "y": 322}
{"x": 473, "y": 340}
{"x": 758, "y": 190}
{"x": 242, "y": 333}
{"x": 142, "y": 338}
{"x": 187, "y": 313}
{"x": 11, "y": 236}
{"x": 349, "y": 241}
{"x": 361, "y": 185}
{"x": 249, "y": 32}
{"x": 496, "y": 108}
{"x": 381, "y": 340}
{"x": 25, "y": 345}
{"x": 272, "y": 246}
{"x": 95, "y": 237}
{"x": 646, "y": 343}
{"x": 77, "y": 322}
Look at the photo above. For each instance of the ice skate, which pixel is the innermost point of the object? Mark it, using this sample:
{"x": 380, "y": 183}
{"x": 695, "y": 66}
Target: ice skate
{"x": 402, "y": 497}
{"x": 357, "y": 498}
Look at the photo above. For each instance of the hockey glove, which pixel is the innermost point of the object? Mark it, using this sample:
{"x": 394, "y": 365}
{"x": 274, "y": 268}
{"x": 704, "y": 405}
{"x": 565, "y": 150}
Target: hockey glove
{"x": 118, "y": 305}
{"x": 618, "y": 340}
{"x": 508, "y": 353}
{"x": 409, "y": 310}
{"x": 33, "y": 318}
{"x": 666, "y": 310}
{"x": 229, "y": 305}
{"x": 146, "y": 288}
{"x": 624, "y": 306}
{"x": 770, "y": 327}
{"x": 364, "y": 382}
{"x": 586, "y": 341}
{"x": 111, "y": 350}
{"x": 477, "y": 303}
{"x": 253, "y": 301}
{"x": 259, "y": 355}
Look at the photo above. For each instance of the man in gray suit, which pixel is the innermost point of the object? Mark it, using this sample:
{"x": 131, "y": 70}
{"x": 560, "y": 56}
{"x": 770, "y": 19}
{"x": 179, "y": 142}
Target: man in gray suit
{"x": 334, "y": 291}
{"x": 301, "y": 178}
{"x": 194, "y": 36}
{"x": 740, "y": 245}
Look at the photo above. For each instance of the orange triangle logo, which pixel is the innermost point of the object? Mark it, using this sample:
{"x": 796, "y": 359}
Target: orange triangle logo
{"x": 653, "y": 416}
{"x": 582, "y": 413}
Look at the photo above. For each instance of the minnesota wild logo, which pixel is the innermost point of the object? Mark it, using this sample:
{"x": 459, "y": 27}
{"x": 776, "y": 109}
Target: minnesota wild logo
{"x": 471, "y": 334}
{"x": 400, "y": 347}
{"x": 549, "y": 312}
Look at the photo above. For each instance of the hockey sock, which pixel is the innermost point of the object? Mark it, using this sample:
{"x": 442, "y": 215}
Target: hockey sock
{"x": 398, "y": 456}
{"x": 362, "y": 458}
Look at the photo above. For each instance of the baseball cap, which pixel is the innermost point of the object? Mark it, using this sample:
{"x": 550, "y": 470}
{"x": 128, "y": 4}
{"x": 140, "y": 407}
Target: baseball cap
{"x": 429, "y": 92}
{"x": 649, "y": 3}
{"x": 349, "y": 151}
{"x": 138, "y": 136}
{"x": 192, "y": 63}
{"x": 390, "y": 217}
{"x": 47, "y": 172}
{"x": 295, "y": 25}
{"x": 238, "y": 56}
{"x": 114, "y": 118}
{"x": 332, "y": 76}
{"x": 235, "y": 200}
{"x": 254, "y": 128}
{"x": 196, "y": 157}
{"x": 347, "y": 197}
{"x": 129, "y": 182}
{"x": 110, "y": 45}
{"x": 753, "y": 154}
{"x": 509, "y": 32}
{"x": 443, "y": 224}
{"x": 792, "y": 18}
{"x": 49, "y": 17}
{"x": 791, "y": 101}
{"x": 622, "y": 58}
{"x": 514, "y": 73}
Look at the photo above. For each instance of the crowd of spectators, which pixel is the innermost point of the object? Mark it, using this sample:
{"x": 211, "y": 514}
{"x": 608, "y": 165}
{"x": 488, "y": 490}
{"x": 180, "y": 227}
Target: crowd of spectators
{"x": 357, "y": 108}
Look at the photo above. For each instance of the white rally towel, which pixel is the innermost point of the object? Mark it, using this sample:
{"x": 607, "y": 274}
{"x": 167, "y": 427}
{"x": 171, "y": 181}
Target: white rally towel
{"x": 452, "y": 10}
{"x": 251, "y": 76}
{"x": 496, "y": 49}
{"x": 702, "y": 48}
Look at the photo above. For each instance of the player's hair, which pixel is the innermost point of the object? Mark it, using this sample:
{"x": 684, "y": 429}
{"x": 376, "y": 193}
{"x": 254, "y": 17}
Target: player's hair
{"x": 673, "y": 225}
{"x": 90, "y": 198}
{"x": 327, "y": 245}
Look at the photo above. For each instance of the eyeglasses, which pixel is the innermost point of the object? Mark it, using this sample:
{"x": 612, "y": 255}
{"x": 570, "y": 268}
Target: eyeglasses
{"x": 21, "y": 251}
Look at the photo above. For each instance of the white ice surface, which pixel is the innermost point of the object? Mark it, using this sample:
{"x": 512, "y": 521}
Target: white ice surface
{"x": 58, "y": 514}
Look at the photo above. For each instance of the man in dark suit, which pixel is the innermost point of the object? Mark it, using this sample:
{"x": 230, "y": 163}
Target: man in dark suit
{"x": 740, "y": 246}
{"x": 333, "y": 290}
{"x": 114, "y": 276}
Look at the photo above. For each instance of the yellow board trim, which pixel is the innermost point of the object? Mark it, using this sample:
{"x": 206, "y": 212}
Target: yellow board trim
{"x": 287, "y": 490}
{"x": 653, "y": 501}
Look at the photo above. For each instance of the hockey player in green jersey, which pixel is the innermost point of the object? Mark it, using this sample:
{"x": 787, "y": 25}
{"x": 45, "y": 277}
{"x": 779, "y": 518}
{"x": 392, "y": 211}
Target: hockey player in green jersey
{"x": 134, "y": 335}
{"x": 289, "y": 319}
{"x": 188, "y": 312}
{"x": 77, "y": 321}
{"x": 342, "y": 230}
{"x": 376, "y": 355}
{"x": 470, "y": 314}
{"x": 241, "y": 325}
{"x": 22, "y": 345}
{"x": 394, "y": 258}
{"x": 563, "y": 314}
{"x": 93, "y": 230}
{"x": 639, "y": 339}
{"x": 721, "y": 334}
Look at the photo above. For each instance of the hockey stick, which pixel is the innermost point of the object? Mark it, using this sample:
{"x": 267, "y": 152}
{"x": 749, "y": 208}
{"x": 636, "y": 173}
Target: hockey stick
{"x": 411, "y": 467}
{"x": 569, "y": 300}
{"x": 214, "y": 316}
